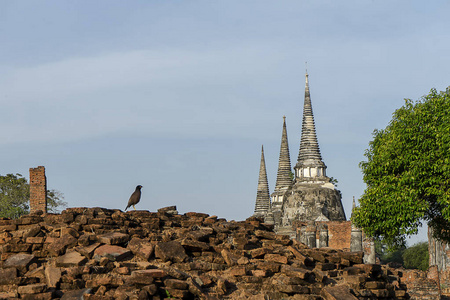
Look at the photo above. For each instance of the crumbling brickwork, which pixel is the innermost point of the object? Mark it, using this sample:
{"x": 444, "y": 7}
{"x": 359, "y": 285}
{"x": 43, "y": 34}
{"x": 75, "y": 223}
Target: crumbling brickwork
{"x": 420, "y": 286}
{"x": 38, "y": 189}
{"x": 439, "y": 262}
{"x": 98, "y": 253}
{"x": 339, "y": 233}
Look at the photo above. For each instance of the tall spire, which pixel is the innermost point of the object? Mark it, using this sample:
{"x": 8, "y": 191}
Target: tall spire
{"x": 284, "y": 163}
{"x": 353, "y": 208}
{"x": 262, "y": 195}
{"x": 309, "y": 158}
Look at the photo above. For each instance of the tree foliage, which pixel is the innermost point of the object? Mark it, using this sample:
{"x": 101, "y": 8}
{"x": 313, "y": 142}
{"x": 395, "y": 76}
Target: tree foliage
{"x": 416, "y": 257}
{"x": 14, "y": 191}
{"x": 389, "y": 255}
{"x": 15, "y": 197}
{"x": 407, "y": 172}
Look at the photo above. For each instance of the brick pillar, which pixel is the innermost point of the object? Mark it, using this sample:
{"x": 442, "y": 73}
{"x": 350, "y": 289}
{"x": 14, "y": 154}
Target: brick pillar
{"x": 369, "y": 251}
{"x": 323, "y": 236}
{"x": 38, "y": 189}
{"x": 356, "y": 239}
{"x": 310, "y": 235}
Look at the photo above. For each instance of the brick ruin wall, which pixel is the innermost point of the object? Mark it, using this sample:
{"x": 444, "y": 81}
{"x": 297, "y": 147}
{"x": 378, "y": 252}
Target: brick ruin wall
{"x": 38, "y": 190}
{"x": 99, "y": 253}
{"x": 439, "y": 262}
{"x": 420, "y": 285}
{"x": 339, "y": 234}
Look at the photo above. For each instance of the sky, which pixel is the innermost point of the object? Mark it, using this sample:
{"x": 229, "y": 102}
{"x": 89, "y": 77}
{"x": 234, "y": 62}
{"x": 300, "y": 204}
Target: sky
{"x": 179, "y": 96}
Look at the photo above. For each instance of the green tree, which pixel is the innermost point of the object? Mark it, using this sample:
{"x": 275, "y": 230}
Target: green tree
{"x": 407, "y": 172}
{"x": 14, "y": 191}
{"x": 15, "y": 197}
{"x": 55, "y": 201}
{"x": 388, "y": 255}
{"x": 416, "y": 257}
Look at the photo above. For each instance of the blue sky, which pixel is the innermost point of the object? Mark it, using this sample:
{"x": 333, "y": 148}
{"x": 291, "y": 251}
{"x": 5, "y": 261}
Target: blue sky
{"x": 178, "y": 96}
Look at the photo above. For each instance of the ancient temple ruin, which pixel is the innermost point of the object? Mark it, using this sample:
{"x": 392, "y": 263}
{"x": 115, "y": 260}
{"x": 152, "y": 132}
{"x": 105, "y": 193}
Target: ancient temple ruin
{"x": 304, "y": 201}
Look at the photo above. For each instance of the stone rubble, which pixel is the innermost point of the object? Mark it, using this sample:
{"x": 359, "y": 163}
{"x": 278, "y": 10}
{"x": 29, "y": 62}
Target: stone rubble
{"x": 98, "y": 253}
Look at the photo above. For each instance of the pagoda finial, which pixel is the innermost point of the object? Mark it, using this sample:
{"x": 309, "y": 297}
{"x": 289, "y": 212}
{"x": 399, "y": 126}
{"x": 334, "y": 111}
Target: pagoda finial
{"x": 262, "y": 195}
{"x": 307, "y": 85}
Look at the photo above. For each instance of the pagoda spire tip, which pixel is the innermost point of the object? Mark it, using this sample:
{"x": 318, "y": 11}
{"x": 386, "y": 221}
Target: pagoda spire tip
{"x": 306, "y": 76}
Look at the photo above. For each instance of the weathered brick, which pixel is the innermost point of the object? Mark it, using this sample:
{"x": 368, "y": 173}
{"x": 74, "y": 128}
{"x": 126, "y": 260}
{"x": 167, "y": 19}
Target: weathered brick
{"x": 87, "y": 251}
{"x": 141, "y": 248}
{"x": 145, "y": 277}
{"x": 174, "y": 293}
{"x": 70, "y": 259}
{"x": 259, "y": 252}
{"x": 113, "y": 238}
{"x": 10, "y": 227}
{"x": 300, "y": 256}
{"x": 35, "y": 240}
{"x": 276, "y": 258}
{"x": 71, "y": 231}
{"x": 52, "y": 276}
{"x": 176, "y": 284}
{"x": 194, "y": 245}
{"x": 105, "y": 280}
{"x": 230, "y": 258}
{"x": 31, "y": 288}
{"x": 112, "y": 252}
{"x": 236, "y": 271}
{"x": 59, "y": 245}
{"x": 8, "y": 275}
{"x": 172, "y": 251}
{"x": 265, "y": 234}
{"x": 268, "y": 266}
{"x": 337, "y": 292}
{"x": 19, "y": 261}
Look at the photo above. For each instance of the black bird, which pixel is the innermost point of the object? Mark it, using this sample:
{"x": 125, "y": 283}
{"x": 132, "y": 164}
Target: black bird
{"x": 135, "y": 197}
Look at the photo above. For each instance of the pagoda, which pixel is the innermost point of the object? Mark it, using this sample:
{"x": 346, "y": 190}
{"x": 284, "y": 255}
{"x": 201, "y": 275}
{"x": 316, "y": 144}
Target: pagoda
{"x": 307, "y": 195}
{"x": 262, "y": 204}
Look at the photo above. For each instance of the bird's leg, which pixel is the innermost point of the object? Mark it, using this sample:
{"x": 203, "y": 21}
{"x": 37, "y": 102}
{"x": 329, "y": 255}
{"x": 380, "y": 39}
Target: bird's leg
{"x": 134, "y": 207}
